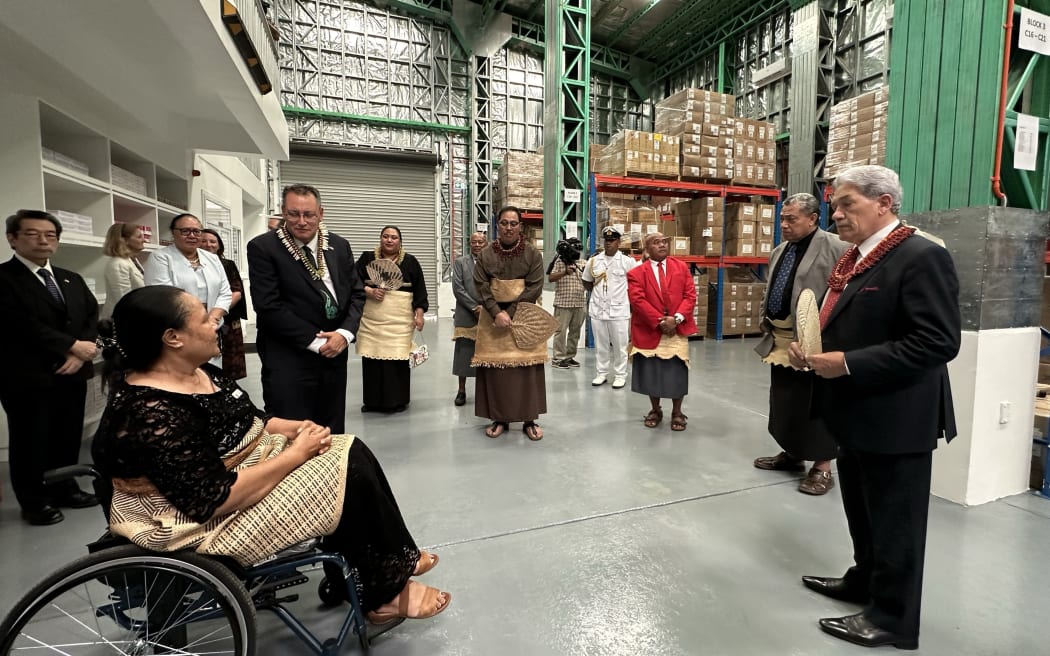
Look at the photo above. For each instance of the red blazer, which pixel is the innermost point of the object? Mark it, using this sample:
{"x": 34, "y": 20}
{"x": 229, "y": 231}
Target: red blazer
{"x": 647, "y": 304}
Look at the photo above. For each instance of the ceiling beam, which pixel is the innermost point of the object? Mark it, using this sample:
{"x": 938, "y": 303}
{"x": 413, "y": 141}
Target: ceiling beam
{"x": 686, "y": 12}
{"x": 603, "y": 58}
{"x": 629, "y": 23}
{"x": 739, "y": 22}
{"x": 605, "y": 12}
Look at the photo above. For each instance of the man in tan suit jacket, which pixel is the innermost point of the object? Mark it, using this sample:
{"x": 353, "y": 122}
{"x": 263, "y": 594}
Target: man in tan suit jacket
{"x": 803, "y": 260}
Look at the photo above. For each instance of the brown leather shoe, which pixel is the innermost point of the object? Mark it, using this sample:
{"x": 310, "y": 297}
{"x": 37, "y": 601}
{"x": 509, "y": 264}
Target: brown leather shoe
{"x": 816, "y": 482}
{"x": 780, "y": 462}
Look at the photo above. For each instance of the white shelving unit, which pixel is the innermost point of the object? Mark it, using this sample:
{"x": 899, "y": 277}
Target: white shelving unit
{"x": 90, "y": 182}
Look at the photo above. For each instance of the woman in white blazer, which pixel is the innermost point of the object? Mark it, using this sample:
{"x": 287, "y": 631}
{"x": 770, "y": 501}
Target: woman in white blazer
{"x": 124, "y": 242}
{"x": 192, "y": 269}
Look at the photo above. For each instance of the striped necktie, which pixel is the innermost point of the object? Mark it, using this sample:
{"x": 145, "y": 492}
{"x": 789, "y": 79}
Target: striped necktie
{"x": 52, "y": 286}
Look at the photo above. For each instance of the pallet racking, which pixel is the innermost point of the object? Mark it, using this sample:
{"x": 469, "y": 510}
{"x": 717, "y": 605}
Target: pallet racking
{"x": 679, "y": 189}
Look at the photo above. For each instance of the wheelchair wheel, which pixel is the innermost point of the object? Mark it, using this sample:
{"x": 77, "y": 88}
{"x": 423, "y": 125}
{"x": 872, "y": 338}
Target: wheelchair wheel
{"x": 127, "y": 600}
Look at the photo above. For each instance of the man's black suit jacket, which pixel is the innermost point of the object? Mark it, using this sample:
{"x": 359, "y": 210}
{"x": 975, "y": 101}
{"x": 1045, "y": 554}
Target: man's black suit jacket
{"x": 37, "y": 331}
{"x": 899, "y": 325}
{"x": 288, "y": 305}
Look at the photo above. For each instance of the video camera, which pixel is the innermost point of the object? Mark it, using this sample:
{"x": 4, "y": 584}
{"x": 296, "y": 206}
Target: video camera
{"x": 569, "y": 250}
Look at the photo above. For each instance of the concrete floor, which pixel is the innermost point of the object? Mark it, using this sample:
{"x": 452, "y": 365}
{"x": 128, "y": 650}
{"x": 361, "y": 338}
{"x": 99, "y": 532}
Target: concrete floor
{"x": 606, "y": 538}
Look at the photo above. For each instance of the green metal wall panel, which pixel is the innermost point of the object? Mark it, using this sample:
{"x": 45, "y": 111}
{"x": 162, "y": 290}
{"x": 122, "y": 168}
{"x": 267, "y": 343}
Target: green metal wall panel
{"x": 989, "y": 74}
{"x": 944, "y": 95}
{"x": 944, "y": 145}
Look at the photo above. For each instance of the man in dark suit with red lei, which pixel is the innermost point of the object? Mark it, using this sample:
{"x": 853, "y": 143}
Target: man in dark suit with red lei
{"x": 890, "y": 324}
{"x": 662, "y": 297}
{"x": 50, "y": 329}
{"x": 308, "y": 301}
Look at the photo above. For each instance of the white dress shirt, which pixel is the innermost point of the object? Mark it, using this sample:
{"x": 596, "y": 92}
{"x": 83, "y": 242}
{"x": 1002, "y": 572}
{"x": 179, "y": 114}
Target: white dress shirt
{"x": 318, "y": 342}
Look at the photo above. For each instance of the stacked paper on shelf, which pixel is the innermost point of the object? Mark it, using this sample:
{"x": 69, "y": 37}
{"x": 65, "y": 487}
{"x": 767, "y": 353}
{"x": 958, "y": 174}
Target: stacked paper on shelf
{"x": 127, "y": 180}
{"x": 73, "y": 222}
{"x": 64, "y": 160}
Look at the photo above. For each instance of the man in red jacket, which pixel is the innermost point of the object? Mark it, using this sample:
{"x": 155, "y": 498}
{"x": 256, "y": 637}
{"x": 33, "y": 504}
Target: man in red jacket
{"x": 662, "y": 297}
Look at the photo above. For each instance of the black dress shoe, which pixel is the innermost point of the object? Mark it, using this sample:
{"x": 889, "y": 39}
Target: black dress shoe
{"x": 461, "y": 398}
{"x": 78, "y": 499}
{"x": 836, "y": 589}
{"x": 42, "y": 516}
{"x": 861, "y": 631}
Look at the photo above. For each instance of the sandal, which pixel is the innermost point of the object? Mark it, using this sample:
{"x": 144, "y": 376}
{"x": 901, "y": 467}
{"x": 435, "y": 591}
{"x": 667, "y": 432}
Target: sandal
{"x": 434, "y": 601}
{"x": 532, "y": 431}
{"x": 653, "y": 419}
{"x": 496, "y": 428}
{"x": 678, "y": 422}
{"x": 427, "y": 561}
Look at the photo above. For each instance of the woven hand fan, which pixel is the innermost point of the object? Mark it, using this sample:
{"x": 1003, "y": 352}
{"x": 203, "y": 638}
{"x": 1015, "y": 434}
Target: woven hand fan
{"x": 807, "y": 323}
{"x": 384, "y": 274}
{"x": 532, "y": 325}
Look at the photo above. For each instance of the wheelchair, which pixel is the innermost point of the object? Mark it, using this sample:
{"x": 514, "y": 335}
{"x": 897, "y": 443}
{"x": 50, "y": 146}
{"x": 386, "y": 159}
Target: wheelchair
{"x": 122, "y": 599}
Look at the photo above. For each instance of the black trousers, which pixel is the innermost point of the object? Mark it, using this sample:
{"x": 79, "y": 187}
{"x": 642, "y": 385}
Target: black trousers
{"x": 311, "y": 387}
{"x": 44, "y": 426}
{"x": 887, "y": 503}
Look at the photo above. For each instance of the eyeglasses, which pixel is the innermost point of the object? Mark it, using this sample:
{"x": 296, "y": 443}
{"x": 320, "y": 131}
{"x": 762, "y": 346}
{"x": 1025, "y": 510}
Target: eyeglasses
{"x": 509, "y": 224}
{"x": 309, "y": 216}
{"x": 36, "y": 234}
{"x": 186, "y": 232}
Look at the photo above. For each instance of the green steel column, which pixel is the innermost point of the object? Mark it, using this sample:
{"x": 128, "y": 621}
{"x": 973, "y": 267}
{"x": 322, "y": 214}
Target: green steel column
{"x": 481, "y": 150}
{"x": 567, "y": 82}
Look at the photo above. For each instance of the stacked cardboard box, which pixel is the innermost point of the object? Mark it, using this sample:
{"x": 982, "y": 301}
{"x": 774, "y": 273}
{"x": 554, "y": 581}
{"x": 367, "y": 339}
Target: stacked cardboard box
{"x": 534, "y": 235}
{"x": 632, "y": 152}
{"x": 741, "y": 308}
{"x": 700, "y": 311}
{"x": 702, "y": 220}
{"x": 857, "y": 133}
{"x": 520, "y": 181}
{"x": 754, "y": 153}
{"x": 749, "y": 229}
{"x": 702, "y": 121}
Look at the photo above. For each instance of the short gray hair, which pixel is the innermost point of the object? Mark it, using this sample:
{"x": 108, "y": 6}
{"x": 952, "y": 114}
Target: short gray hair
{"x": 872, "y": 181}
{"x": 808, "y": 203}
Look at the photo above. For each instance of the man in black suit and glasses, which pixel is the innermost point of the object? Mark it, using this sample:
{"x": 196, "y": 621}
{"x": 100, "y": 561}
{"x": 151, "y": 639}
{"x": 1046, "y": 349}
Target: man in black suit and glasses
{"x": 308, "y": 300}
{"x": 50, "y": 325}
{"x": 890, "y": 324}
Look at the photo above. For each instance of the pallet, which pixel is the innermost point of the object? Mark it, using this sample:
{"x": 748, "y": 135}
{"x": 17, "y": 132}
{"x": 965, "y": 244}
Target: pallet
{"x": 710, "y": 181}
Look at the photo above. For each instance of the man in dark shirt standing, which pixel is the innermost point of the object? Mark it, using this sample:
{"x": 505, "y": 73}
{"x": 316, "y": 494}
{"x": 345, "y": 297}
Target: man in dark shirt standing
{"x": 803, "y": 260}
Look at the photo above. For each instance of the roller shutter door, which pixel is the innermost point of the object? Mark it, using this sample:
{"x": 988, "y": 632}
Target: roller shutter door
{"x": 361, "y": 194}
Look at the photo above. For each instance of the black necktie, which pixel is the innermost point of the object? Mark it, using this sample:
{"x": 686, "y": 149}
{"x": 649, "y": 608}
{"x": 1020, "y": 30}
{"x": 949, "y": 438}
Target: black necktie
{"x": 309, "y": 256}
{"x": 52, "y": 286}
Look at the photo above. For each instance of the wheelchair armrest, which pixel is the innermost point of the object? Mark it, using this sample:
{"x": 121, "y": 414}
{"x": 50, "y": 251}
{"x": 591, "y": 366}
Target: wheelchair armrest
{"x": 72, "y": 471}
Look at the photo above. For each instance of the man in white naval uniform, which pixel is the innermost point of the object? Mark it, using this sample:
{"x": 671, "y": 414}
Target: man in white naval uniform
{"x": 605, "y": 277}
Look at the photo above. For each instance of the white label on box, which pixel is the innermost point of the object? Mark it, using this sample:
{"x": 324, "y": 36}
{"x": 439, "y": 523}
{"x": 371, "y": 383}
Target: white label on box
{"x": 651, "y": 228}
{"x": 1026, "y": 144}
{"x": 571, "y": 195}
{"x": 1034, "y": 32}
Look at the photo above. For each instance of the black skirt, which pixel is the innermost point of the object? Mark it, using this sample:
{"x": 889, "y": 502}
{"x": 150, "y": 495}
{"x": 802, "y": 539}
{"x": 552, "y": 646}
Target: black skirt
{"x": 386, "y": 385}
{"x": 371, "y": 534}
{"x": 790, "y": 424}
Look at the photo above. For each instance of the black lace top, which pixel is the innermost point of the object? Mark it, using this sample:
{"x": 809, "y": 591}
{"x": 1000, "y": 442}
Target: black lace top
{"x": 175, "y": 440}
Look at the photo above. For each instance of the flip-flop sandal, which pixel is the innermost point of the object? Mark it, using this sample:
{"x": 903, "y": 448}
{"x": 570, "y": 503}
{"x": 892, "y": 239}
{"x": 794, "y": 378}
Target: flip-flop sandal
{"x": 427, "y": 561}
{"x": 430, "y": 596}
{"x": 496, "y": 428}
{"x": 653, "y": 419}
{"x": 678, "y": 422}
{"x": 535, "y": 434}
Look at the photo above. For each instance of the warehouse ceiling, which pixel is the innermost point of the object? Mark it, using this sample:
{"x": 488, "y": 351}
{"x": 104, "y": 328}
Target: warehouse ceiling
{"x": 658, "y": 31}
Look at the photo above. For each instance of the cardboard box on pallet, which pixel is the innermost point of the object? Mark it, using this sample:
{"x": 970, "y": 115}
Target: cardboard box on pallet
{"x": 857, "y": 132}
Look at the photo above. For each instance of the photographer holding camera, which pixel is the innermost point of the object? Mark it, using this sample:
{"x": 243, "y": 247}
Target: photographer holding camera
{"x": 570, "y": 300}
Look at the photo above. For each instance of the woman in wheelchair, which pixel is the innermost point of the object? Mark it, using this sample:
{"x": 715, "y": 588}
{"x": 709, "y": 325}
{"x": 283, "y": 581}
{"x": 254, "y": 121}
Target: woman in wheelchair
{"x": 195, "y": 465}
